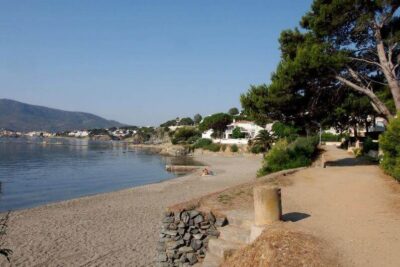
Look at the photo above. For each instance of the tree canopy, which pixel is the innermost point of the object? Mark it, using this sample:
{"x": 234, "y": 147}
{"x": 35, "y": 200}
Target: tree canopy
{"x": 346, "y": 50}
{"x": 217, "y": 122}
{"x": 186, "y": 122}
{"x": 197, "y": 118}
{"x": 233, "y": 111}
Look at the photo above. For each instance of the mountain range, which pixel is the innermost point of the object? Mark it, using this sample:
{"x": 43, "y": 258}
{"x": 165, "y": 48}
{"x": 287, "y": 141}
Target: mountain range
{"x": 24, "y": 117}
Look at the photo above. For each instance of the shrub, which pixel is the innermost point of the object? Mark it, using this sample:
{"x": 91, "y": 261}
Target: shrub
{"x": 284, "y": 155}
{"x": 390, "y": 144}
{"x": 223, "y": 147}
{"x": 237, "y": 133}
{"x": 282, "y": 130}
{"x": 213, "y": 147}
{"x": 202, "y": 142}
{"x": 256, "y": 149}
{"x": 330, "y": 137}
{"x": 234, "y": 148}
{"x": 369, "y": 144}
{"x": 185, "y": 135}
{"x": 193, "y": 139}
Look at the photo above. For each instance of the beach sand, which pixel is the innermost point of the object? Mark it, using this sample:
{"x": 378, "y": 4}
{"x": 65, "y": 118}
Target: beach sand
{"x": 113, "y": 229}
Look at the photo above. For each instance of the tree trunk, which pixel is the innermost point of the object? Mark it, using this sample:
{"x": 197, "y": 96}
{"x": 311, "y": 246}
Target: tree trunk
{"x": 387, "y": 67}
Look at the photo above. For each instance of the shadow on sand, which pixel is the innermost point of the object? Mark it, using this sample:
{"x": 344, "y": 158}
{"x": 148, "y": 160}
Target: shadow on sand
{"x": 345, "y": 162}
{"x": 294, "y": 216}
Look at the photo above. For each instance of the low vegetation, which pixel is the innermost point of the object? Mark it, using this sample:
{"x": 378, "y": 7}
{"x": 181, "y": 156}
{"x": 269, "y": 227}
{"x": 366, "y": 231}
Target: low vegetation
{"x": 287, "y": 155}
{"x": 185, "y": 135}
{"x": 330, "y": 137}
{"x": 234, "y": 148}
{"x": 390, "y": 144}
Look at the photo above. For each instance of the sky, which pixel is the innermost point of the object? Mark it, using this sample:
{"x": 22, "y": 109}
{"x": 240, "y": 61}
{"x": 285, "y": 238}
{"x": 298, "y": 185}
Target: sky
{"x": 140, "y": 62}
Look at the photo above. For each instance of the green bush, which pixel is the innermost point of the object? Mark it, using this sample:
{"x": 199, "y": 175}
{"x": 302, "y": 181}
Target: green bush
{"x": 287, "y": 131}
{"x": 202, "y": 142}
{"x": 237, "y": 133}
{"x": 223, "y": 147}
{"x": 369, "y": 144}
{"x": 234, "y": 148}
{"x": 390, "y": 144}
{"x": 185, "y": 135}
{"x": 330, "y": 137}
{"x": 213, "y": 147}
{"x": 284, "y": 155}
{"x": 257, "y": 149}
{"x": 193, "y": 139}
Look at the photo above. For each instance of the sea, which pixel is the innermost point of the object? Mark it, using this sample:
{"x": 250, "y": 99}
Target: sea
{"x": 37, "y": 171}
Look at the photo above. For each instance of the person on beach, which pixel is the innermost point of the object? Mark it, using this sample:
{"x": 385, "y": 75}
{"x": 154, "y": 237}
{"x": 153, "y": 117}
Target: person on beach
{"x": 206, "y": 172}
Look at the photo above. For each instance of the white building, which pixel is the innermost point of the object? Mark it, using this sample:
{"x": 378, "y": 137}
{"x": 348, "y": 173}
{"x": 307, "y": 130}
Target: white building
{"x": 249, "y": 128}
{"x": 79, "y": 133}
{"x": 207, "y": 134}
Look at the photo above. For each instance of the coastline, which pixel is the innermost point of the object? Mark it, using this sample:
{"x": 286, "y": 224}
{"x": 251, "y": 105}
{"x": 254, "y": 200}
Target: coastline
{"x": 118, "y": 228}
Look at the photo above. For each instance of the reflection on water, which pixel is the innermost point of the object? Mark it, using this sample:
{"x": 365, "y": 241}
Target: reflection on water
{"x": 36, "y": 171}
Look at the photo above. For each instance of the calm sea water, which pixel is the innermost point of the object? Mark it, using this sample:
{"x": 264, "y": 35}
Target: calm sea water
{"x": 37, "y": 171}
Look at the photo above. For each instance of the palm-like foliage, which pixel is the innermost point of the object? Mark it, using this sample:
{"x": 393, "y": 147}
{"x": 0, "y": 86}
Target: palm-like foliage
{"x": 264, "y": 139}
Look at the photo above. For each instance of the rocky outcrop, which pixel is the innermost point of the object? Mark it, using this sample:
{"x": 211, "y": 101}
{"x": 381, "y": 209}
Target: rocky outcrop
{"x": 185, "y": 235}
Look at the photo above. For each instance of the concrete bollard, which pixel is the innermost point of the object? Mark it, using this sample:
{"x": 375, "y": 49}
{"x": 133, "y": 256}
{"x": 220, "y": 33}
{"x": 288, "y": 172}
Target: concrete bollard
{"x": 267, "y": 205}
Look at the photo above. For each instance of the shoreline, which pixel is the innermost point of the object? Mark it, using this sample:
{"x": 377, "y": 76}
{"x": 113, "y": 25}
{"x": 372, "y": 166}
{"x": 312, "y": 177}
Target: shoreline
{"x": 100, "y": 193}
{"x": 114, "y": 228}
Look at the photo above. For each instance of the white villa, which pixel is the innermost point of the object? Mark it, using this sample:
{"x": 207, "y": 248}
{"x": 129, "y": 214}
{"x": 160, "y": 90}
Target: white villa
{"x": 249, "y": 128}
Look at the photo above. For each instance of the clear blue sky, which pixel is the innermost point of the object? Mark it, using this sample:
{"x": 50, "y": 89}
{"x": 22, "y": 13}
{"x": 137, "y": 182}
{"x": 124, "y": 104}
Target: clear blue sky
{"x": 140, "y": 62}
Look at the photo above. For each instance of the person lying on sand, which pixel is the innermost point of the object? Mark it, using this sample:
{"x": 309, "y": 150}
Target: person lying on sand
{"x": 206, "y": 172}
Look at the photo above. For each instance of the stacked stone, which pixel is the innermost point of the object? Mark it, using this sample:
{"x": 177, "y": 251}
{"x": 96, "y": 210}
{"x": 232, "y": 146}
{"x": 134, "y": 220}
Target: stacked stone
{"x": 184, "y": 237}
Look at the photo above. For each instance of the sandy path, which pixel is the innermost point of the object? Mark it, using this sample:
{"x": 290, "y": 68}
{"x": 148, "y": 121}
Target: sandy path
{"x": 353, "y": 207}
{"x": 113, "y": 229}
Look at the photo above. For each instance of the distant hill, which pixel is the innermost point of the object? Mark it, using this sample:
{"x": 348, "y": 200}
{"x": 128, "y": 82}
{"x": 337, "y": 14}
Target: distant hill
{"x": 19, "y": 116}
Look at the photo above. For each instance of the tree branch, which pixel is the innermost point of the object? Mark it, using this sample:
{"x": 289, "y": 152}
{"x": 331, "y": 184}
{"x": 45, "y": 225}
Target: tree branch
{"x": 382, "y": 109}
{"x": 367, "y": 61}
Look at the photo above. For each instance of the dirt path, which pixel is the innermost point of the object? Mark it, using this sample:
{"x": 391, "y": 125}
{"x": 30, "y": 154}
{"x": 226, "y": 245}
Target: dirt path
{"x": 352, "y": 206}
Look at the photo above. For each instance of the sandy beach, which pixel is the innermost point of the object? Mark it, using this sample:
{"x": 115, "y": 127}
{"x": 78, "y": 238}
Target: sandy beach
{"x": 113, "y": 229}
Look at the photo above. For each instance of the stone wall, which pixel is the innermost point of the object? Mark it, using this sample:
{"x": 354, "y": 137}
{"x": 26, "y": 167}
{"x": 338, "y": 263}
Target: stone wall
{"x": 184, "y": 236}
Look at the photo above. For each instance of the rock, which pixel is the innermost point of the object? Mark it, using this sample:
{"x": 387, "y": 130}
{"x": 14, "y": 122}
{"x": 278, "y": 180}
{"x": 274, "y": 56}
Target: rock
{"x": 213, "y": 232}
{"x": 221, "y": 222}
{"x": 191, "y": 222}
{"x": 183, "y": 258}
{"x": 198, "y": 219}
{"x": 196, "y": 244}
{"x": 198, "y": 236}
{"x": 204, "y": 225}
{"x": 211, "y": 217}
{"x": 177, "y": 216}
{"x": 168, "y": 214}
{"x": 171, "y": 233}
{"x": 182, "y": 225}
{"x": 195, "y": 231}
{"x": 172, "y": 226}
{"x": 193, "y": 213}
{"x": 185, "y": 217}
{"x": 168, "y": 220}
{"x": 187, "y": 236}
{"x": 162, "y": 257}
{"x": 181, "y": 231}
{"x": 192, "y": 258}
{"x": 185, "y": 249}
